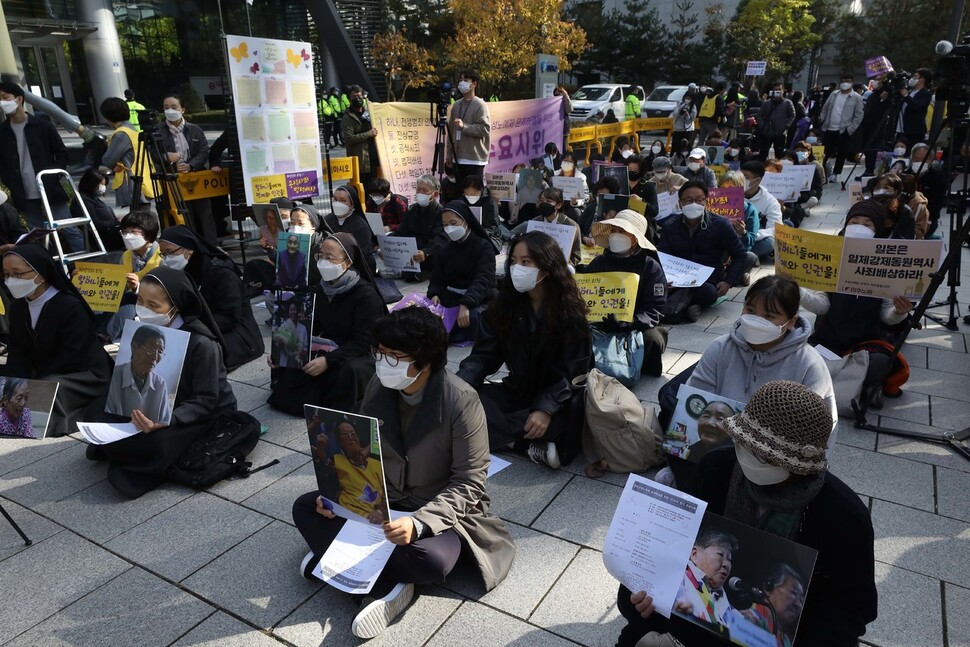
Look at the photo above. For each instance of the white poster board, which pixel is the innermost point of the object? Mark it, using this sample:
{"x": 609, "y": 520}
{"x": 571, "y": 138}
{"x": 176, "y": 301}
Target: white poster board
{"x": 666, "y": 203}
{"x": 572, "y": 187}
{"x": 501, "y": 185}
{"x": 783, "y": 186}
{"x": 564, "y": 235}
{"x": 399, "y": 251}
{"x": 756, "y": 68}
{"x": 682, "y": 273}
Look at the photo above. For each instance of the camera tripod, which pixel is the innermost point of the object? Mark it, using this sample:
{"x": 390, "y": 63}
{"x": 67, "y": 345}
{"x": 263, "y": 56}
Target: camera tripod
{"x": 326, "y": 132}
{"x": 27, "y": 540}
{"x": 168, "y": 195}
{"x": 439, "y": 117}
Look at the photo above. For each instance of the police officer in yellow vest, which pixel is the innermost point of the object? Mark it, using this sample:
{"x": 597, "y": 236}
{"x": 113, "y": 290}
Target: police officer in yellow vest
{"x": 632, "y": 103}
{"x": 133, "y": 108}
{"x": 711, "y": 113}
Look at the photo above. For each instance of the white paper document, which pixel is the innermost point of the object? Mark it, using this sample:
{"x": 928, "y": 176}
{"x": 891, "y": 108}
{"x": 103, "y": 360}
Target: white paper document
{"x": 682, "y": 273}
{"x": 650, "y": 539}
{"x": 399, "y": 251}
{"x": 355, "y": 559}
{"x": 564, "y": 235}
{"x": 101, "y": 433}
{"x": 496, "y": 465}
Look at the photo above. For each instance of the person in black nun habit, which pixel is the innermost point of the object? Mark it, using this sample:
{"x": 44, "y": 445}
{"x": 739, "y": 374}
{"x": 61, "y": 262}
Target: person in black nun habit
{"x": 139, "y": 463}
{"x": 220, "y": 286}
{"x": 347, "y": 305}
{"x": 348, "y": 217}
{"x": 53, "y": 336}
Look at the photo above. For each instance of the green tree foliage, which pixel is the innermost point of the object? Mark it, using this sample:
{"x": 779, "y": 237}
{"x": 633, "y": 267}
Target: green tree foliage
{"x": 780, "y": 32}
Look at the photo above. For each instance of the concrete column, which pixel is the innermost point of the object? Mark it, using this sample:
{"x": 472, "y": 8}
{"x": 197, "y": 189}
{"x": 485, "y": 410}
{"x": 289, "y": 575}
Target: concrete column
{"x": 8, "y": 63}
{"x": 106, "y": 66}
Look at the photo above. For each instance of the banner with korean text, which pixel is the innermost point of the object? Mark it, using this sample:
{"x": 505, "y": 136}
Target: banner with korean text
{"x": 609, "y": 293}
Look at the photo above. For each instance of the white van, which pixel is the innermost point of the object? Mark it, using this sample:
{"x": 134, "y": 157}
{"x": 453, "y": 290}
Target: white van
{"x": 663, "y": 100}
{"x": 591, "y": 102}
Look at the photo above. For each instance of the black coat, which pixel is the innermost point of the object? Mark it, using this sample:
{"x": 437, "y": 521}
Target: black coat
{"x": 348, "y": 320}
{"x": 914, "y": 114}
{"x": 711, "y": 244}
{"x": 541, "y": 367}
{"x": 47, "y": 151}
{"x": 850, "y": 319}
{"x": 424, "y": 224}
{"x": 198, "y": 144}
{"x": 225, "y": 294}
{"x": 10, "y": 226}
{"x": 468, "y": 265}
{"x": 104, "y": 221}
{"x": 356, "y": 225}
{"x": 651, "y": 291}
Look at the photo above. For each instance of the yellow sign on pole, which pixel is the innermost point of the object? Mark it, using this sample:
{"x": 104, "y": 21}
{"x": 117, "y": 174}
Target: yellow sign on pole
{"x": 609, "y": 293}
{"x": 810, "y": 258}
{"x": 101, "y": 284}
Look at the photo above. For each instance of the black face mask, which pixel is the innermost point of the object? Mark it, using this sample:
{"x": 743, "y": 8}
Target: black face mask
{"x": 634, "y": 175}
{"x": 546, "y": 209}
{"x": 356, "y": 103}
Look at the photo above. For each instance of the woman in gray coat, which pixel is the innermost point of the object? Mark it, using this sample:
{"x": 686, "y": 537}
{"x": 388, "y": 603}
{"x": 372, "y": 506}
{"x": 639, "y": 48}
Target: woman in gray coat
{"x": 434, "y": 445}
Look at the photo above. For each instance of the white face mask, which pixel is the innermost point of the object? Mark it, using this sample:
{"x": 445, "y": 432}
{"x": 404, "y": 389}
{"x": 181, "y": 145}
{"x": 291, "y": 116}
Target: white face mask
{"x": 423, "y": 199}
{"x": 899, "y": 151}
{"x": 20, "y": 288}
{"x": 757, "y": 472}
{"x": 102, "y": 189}
{"x": 655, "y": 150}
{"x": 175, "y": 262}
{"x": 912, "y": 83}
{"x": 524, "y": 278}
{"x": 801, "y": 155}
{"x": 464, "y": 86}
{"x": 394, "y": 377}
{"x": 301, "y": 229}
{"x": 859, "y": 231}
{"x": 662, "y": 175}
{"x": 455, "y": 232}
{"x": 145, "y": 315}
{"x": 173, "y": 115}
{"x": 330, "y": 271}
{"x": 845, "y": 87}
{"x": 3, "y": 197}
{"x": 692, "y": 211}
{"x": 734, "y": 152}
{"x": 472, "y": 199}
{"x": 811, "y": 140}
{"x": 286, "y": 223}
{"x": 378, "y": 199}
{"x": 694, "y": 166}
{"x": 882, "y": 192}
{"x": 567, "y": 167}
{"x": 340, "y": 209}
{"x": 626, "y": 153}
{"x": 133, "y": 241}
{"x": 620, "y": 243}
{"x": 758, "y": 330}
{"x": 8, "y": 107}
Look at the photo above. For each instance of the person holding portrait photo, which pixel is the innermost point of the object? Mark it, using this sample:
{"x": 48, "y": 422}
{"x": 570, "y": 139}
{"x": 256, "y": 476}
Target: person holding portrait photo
{"x": 358, "y": 476}
{"x": 135, "y": 385}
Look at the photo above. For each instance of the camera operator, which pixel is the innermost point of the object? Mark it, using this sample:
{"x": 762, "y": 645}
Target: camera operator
{"x": 916, "y": 97}
{"x": 469, "y": 126}
{"x": 873, "y": 114}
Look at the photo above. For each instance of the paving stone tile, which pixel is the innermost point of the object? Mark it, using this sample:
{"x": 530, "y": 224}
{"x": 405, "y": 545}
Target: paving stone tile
{"x": 187, "y": 536}
{"x": 936, "y": 337}
{"x": 222, "y": 630}
{"x": 597, "y": 501}
{"x": 689, "y": 339}
{"x": 258, "y": 579}
{"x": 521, "y": 491}
{"x": 909, "y": 610}
{"x": 917, "y": 356}
{"x": 582, "y": 604}
{"x": 100, "y": 513}
{"x": 922, "y": 542}
{"x": 647, "y": 389}
{"x": 53, "y": 478}
{"x": 918, "y": 450}
{"x": 948, "y": 414}
{"x": 957, "y": 619}
{"x": 254, "y": 373}
{"x": 75, "y": 565}
{"x": 539, "y": 560}
{"x": 952, "y": 489}
{"x": 239, "y": 489}
{"x": 36, "y": 527}
{"x": 475, "y": 624}
{"x": 154, "y": 612}
{"x": 885, "y": 477}
{"x": 937, "y": 383}
{"x": 325, "y": 620}
{"x": 911, "y": 406}
{"x": 282, "y": 426}
{"x": 947, "y": 361}
{"x": 249, "y": 398}
{"x": 16, "y": 453}
{"x": 277, "y": 499}
{"x": 847, "y": 434}
{"x": 684, "y": 362}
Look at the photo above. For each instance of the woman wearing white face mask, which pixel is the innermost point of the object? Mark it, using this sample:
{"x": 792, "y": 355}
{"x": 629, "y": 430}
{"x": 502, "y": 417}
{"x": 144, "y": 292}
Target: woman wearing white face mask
{"x": 92, "y": 188}
{"x": 628, "y": 250}
{"x": 347, "y": 216}
{"x": 776, "y": 480}
{"x": 222, "y": 288}
{"x": 464, "y": 272}
{"x": 568, "y": 169}
{"x": 139, "y": 233}
{"x": 422, "y": 220}
{"x": 477, "y": 195}
{"x": 53, "y": 336}
{"x": 139, "y": 463}
{"x": 346, "y": 305}
{"x": 537, "y": 327}
{"x": 434, "y": 444}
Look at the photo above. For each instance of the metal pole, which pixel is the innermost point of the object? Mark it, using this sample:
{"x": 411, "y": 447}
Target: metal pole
{"x": 954, "y": 37}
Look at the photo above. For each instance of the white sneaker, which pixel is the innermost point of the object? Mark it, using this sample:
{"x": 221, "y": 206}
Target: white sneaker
{"x": 305, "y": 564}
{"x": 375, "y": 615}
{"x": 833, "y": 178}
{"x": 545, "y": 454}
{"x": 811, "y": 203}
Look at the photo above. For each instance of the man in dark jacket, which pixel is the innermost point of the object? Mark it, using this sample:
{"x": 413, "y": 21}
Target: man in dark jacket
{"x": 699, "y": 236}
{"x": 873, "y": 132}
{"x": 774, "y": 118}
{"x": 357, "y": 133}
{"x": 916, "y": 99}
{"x": 29, "y": 145}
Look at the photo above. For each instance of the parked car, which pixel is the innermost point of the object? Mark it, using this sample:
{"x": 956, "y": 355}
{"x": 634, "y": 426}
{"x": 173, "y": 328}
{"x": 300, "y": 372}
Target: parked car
{"x": 663, "y": 100}
{"x": 591, "y": 102}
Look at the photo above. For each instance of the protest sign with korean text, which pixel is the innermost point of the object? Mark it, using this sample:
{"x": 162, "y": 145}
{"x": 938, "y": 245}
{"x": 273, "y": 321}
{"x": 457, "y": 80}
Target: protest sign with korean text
{"x": 501, "y": 185}
{"x": 417, "y": 300}
{"x": 573, "y": 188}
{"x": 682, "y": 273}
{"x": 783, "y": 186}
{"x": 887, "y": 268}
{"x": 101, "y": 284}
{"x": 398, "y": 252}
{"x": 609, "y": 293}
{"x": 564, "y": 235}
{"x": 810, "y": 258}
{"x": 667, "y": 204}
{"x": 727, "y": 202}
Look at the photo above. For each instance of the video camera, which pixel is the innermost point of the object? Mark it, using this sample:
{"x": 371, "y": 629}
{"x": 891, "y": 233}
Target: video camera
{"x": 953, "y": 71}
{"x": 898, "y": 80}
{"x": 148, "y": 120}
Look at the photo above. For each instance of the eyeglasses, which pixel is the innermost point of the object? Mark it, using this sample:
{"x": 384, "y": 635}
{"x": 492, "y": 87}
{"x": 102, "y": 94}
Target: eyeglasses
{"x": 391, "y": 360}
{"x": 18, "y": 275}
{"x": 330, "y": 258}
{"x": 175, "y": 252}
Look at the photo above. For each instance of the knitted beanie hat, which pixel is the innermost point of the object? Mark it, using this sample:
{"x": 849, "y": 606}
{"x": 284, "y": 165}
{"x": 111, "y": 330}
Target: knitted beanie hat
{"x": 785, "y": 424}
{"x": 874, "y": 210}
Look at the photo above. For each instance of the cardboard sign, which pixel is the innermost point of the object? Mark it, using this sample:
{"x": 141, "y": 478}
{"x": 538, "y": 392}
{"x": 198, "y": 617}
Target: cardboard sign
{"x": 693, "y": 431}
{"x": 888, "y": 268}
{"x": 501, "y": 185}
{"x": 756, "y": 68}
{"x": 572, "y": 187}
{"x": 878, "y": 65}
{"x": 101, "y": 284}
{"x": 564, "y": 235}
{"x": 805, "y": 174}
{"x": 818, "y": 152}
{"x": 855, "y": 192}
{"x": 399, "y": 251}
{"x": 682, "y": 273}
{"x": 609, "y": 293}
{"x": 810, "y": 258}
{"x": 727, "y": 202}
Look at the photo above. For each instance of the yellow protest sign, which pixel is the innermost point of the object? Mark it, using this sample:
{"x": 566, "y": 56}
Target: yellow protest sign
{"x": 810, "y": 258}
{"x": 267, "y": 187}
{"x": 818, "y": 152}
{"x": 719, "y": 170}
{"x": 589, "y": 253}
{"x": 197, "y": 185}
{"x": 609, "y": 293}
{"x": 101, "y": 284}
{"x": 341, "y": 169}
{"x": 581, "y": 134}
{"x": 637, "y": 205}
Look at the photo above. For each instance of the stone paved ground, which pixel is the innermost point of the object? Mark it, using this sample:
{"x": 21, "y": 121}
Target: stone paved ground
{"x": 219, "y": 567}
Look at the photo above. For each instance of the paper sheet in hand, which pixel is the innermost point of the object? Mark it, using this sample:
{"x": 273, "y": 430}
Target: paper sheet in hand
{"x": 399, "y": 252}
{"x": 682, "y": 273}
{"x": 98, "y": 433}
{"x": 564, "y": 235}
{"x": 572, "y": 187}
{"x": 496, "y": 465}
{"x": 650, "y": 539}
{"x": 666, "y": 203}
{"x": 782, "y": 186}
{"x": 355, "y": 559}
{"x": 376, "y": 223}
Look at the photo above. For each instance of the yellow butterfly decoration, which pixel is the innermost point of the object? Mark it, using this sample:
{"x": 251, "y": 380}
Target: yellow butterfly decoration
{"x": 239, "y": 53}
{"x": 295, "y": 59}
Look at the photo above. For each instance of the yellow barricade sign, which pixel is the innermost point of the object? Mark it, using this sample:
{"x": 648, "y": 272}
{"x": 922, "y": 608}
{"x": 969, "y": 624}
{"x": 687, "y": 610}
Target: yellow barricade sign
{"x": 341, "y": 169}
{"x": 627, "y": 127}
{"x": 609, "y": 293}
{"x": 655, "y": 123}
{"x": 582, "y": 134}
{"x": 609, "y": 130}
{"x": 101, "y": 284}
{"x": 589, "y": 253}
{"x": 810, "y": 258}
{"x": 197, "y": 185}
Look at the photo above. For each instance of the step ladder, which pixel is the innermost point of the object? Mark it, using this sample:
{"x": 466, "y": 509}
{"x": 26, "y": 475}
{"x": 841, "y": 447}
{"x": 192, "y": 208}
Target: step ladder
{"x": 82, "y": 223}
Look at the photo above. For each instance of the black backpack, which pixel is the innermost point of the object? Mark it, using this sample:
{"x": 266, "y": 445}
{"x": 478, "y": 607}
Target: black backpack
{"x": 220, "y": 454}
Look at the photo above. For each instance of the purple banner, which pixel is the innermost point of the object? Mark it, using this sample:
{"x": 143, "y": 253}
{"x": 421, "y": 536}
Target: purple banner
{"x": 301, "y": 185}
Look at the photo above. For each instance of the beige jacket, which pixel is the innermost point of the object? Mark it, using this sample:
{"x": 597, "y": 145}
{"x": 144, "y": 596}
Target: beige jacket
{"x": 437, "y": 467}
{"x": 920, "y": 213}
{"x": 673, "y": 182}
{"x": 470, "y": 143}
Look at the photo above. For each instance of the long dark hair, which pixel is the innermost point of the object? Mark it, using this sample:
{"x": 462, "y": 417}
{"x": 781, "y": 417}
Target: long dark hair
{"x": 564, "y": 314}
